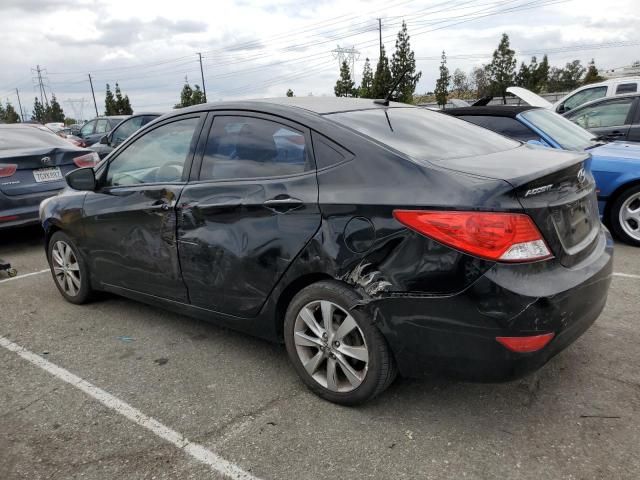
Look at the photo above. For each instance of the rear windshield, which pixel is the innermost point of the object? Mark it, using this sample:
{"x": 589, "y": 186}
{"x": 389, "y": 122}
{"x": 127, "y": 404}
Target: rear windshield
{"x": 29, "y": 137}
{"x": 423, "y": 134}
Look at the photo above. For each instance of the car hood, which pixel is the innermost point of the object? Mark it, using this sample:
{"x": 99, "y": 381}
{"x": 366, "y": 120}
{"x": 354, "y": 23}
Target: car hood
{"x": 627, "y": 150}
{"x": 528, "y": 96}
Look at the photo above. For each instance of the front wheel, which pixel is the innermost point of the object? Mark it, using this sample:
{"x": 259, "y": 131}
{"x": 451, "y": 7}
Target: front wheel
{"x": 69, "y": 269}
{"x": 625, "y": 216}
{"x": 338, "y": 353}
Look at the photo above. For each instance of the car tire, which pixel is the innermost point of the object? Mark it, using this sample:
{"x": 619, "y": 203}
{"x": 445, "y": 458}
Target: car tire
{"x": 349, "y": 365}
{"x": 622, "y": 221}
{"x": 69, "y": 269}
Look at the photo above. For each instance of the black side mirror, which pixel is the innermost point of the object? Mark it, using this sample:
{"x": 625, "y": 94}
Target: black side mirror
{"x": 105, "y": 140}
{"x": 561, "y": 108}
{"x": 83, "y": 179}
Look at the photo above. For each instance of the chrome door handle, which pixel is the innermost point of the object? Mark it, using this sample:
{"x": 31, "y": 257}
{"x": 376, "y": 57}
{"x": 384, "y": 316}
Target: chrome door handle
{"x": 162, "y": 204}
{"x": 287, "y": 201}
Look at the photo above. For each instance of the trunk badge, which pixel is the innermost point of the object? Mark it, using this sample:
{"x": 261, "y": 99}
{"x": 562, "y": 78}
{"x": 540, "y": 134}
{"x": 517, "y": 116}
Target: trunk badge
{"x": 45, "y": 160}
{"x": 582, "y": 176}
{"x": 536, "y": 191}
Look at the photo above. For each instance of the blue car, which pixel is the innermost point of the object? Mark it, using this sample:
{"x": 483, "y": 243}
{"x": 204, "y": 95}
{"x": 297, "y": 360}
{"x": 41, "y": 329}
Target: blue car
{"x": 615, "y": 165}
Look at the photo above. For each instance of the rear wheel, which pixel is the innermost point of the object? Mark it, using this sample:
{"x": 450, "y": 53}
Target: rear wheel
{"x": 337, "y": 351}
{"x": 69, "y": 269}
{"x": 625, "y": 216}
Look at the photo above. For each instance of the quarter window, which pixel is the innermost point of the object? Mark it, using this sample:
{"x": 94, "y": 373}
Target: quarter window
{"x": 247, "y": 147}
{"x": 326, "y": 152}
{"x": 607, "y": 114}
{"x": 158, "y": 156}
{"x": 584, "y": 96}
{"x": 627, "y": 88}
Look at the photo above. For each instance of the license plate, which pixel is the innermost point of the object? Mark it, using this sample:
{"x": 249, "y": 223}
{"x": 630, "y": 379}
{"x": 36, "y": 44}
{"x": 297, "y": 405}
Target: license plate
{"x": 47, "y": 174}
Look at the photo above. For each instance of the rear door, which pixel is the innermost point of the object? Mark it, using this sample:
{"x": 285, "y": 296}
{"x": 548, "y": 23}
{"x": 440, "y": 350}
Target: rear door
{"x": 610, "y": 119}
{"x": 634, "y": 129}
{"x": 252, "y": 210}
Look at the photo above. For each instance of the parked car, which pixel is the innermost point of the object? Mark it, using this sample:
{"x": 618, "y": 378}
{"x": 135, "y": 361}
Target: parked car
{"x": 54, "y": 126}
{"x": 593, "y": 91}
{"x": 615, "y": 166}
{"x": 615, "y": 118}
{"x": 369, "y": 237}
{"x": 121, "y": 132}
{"x": 33, "y": 162}
{"x": 92, "y": 131}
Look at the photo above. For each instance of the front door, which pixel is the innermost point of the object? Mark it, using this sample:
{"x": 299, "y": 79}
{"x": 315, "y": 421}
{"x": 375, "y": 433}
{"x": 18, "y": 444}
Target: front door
{"x": 130, "y": 220}
{"x": 252, "y": 211}
{"x": 609, "y": 119}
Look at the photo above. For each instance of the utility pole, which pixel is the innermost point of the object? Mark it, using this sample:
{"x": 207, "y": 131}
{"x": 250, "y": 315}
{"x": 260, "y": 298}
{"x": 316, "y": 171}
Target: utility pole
{"x": 20, "y": 105}
{"x": 204, "y": 89}
{"x": 42, "y": 89}
{"x": 94, "y": 95}
{"x": 380, "y": 34}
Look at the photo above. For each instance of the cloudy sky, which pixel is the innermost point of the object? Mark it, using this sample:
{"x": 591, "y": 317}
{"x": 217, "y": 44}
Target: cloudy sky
{"x": 255, "y": 48}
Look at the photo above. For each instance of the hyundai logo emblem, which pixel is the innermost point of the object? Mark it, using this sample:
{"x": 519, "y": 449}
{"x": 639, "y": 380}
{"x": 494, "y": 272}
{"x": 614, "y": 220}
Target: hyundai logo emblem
{"x": 582, "y": 176}
{"x": 45, "y": 160}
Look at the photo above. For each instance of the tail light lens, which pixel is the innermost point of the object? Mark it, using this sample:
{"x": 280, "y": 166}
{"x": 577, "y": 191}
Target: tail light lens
{"x": 528, "y": 344}
{"x": 88, "y": 160}
{"x": 502, "y": 237}
{"x": 7, "y": 169}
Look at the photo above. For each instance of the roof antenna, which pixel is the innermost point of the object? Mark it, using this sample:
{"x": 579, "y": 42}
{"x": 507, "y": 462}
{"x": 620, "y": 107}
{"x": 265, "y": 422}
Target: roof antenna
{"x": 385, "y": 101}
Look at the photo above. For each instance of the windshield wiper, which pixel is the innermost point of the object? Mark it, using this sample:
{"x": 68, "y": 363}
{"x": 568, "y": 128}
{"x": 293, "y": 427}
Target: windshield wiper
{"x": 599, "y": 141}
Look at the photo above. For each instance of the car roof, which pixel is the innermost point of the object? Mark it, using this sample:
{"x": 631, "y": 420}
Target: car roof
{"x": 491, "y": 110}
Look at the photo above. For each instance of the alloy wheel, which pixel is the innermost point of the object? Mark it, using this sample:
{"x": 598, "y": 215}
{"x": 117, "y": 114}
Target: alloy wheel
{"x": 331, "y": 346}
{"x": 629, "y": 216}
{"x": 66, "y": 268}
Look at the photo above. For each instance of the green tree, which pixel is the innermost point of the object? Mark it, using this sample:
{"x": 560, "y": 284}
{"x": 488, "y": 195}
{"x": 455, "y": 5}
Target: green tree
{"x": 403, "y": 64}
{"x": 2, "y": 114}
{"x": 197, "y": 97}
{"x": 110, "y": 107}
{"x": 382, "y": 78}
{"x": 122, "y": 104}
{"x": 185, "y": 96}
{"x": 10, "y": 114}
{"x": 572, "y": 75}
{"x": 442, "y": 83}
{"x": 345, "y": 86}
{"x": 39, "y": 112}
{"x": 554, "y": 80}
{"x": 290, "y": 93}
{"x": 366, "y": 85}
{"x": 502, "y": 68}
{"x": 523, "y": 77}
{"x": 592, "y": 75}
{"x": 55, "y": 112}
{"x": 539, "y": 74}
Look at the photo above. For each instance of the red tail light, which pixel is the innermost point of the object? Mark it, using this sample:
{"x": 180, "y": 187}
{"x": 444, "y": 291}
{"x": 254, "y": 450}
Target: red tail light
{"x": 504, "y": 237}
{"x": 7, "y": 169}
{"x": 526, "y": 344}
{"x": 88, "y": 160}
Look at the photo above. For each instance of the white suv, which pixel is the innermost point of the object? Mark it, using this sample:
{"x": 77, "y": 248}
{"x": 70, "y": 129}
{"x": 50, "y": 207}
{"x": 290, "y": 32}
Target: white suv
{"x": 608, "y": 88}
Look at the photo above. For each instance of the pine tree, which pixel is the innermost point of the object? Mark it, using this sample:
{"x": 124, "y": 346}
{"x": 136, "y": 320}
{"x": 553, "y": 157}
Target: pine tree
{"x": 10, "y": 114}
{"x": 541, "y": 76}
{"x": 442, "y": 83}
{"x": 2, "y": 114}
{"x": 185, "y": 96}
{"x": 122, "y": 104}
{"x": 39, "y": 113}
{"x": 382, "y": 80}
{"x": 592, "y": 75}
{"x": 290, "y": 93}
{"x": 55, "y": 112}
{"x": 403, "y": 63}
{"x": 110, "y": 107}
{"x": 523, "y": 77}
{"x": 366, "y": 85}
{"x": 572, "y": 75}
{"x": 345, "y": 86}
{"x": 502, "y": 68}
{"x": 197, "y": 97}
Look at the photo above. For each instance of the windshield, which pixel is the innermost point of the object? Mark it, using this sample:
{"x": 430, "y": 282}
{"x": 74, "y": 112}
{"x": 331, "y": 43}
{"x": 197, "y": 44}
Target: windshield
{"x": 564, "y": 132}
{"x": 423, "y": 134}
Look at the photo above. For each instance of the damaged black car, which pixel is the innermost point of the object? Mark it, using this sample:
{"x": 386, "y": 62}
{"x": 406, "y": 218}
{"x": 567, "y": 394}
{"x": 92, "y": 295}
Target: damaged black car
{"x": 372, "y": 238}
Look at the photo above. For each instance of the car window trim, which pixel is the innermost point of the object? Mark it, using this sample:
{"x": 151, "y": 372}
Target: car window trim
{"x": 188, "y": 161}
{"x": 306, "y": 131}
{"x": 348, "y": 156}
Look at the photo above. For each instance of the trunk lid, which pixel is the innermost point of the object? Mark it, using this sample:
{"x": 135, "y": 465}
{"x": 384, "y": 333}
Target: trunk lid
{"x": 555, "y": 188}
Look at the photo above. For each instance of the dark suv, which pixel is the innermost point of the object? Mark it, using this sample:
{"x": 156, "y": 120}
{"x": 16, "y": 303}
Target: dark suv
{"x": 92, "y": 131}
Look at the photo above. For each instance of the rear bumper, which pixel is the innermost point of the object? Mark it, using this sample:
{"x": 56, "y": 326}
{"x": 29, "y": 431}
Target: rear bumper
{"x": 456, "y": 334}
{"x": 25, "y": 209}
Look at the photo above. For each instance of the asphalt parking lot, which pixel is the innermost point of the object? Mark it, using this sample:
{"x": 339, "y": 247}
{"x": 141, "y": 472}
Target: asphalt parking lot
{"x": 244, "y": 410}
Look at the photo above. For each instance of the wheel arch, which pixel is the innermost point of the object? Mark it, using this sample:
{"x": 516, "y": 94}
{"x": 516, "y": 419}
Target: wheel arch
{"x": 615, "y": 195}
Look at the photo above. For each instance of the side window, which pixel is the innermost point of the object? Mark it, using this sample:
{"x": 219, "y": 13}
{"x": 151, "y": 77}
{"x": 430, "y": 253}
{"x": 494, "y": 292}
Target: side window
{"x": 157, "y": 156}
{"x": 509, "y": 127}
{"x": 606, "y": 114}
{"x": 102, "y": 126}
{"x": 584, "y": 96}
{"x": 87, "y": 128}
{"x": 326, "y": 152}
{"x": 627, "y": 88}
{"x": 121, "y": 133}
{"x": 247, "y": 147}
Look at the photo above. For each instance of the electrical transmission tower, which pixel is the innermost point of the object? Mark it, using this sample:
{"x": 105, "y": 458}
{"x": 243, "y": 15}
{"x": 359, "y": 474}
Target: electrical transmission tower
{"x": 349, "y": 55}
{"x": 77, "y": 105}
{"x": 39, "y": 79}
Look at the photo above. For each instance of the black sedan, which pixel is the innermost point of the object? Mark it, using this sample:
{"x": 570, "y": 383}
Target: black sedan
{"x": 611, "y": 118}
{"x": 33, "y": 162}
{"x": 370, "y": 238}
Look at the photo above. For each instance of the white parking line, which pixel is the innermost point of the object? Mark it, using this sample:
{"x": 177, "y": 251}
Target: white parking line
{"x": 625, "y": 275}
{"x": 197, "y": 451}
{"x": 25, "y": 275}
